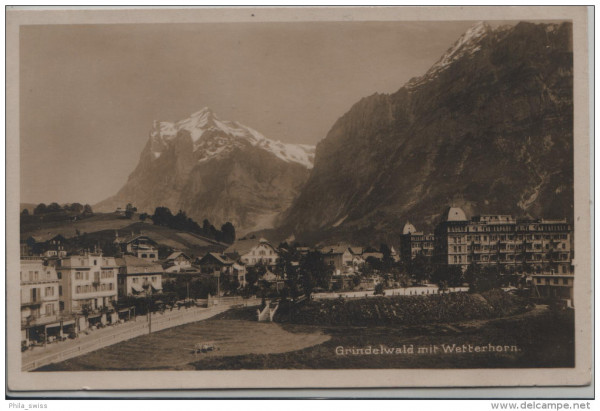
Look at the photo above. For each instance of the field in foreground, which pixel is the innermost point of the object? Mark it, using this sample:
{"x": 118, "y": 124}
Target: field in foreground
{"x": 544, "y": 338}
{"x": 173, "y": 348}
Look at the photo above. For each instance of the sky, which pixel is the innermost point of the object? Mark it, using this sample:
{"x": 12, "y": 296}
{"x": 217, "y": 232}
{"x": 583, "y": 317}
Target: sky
{"x": 90, "y": 93}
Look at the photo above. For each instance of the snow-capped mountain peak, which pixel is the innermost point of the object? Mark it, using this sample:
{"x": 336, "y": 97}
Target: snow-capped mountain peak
{"x": 467, "y": 44}
{"x": 213, "y": 137}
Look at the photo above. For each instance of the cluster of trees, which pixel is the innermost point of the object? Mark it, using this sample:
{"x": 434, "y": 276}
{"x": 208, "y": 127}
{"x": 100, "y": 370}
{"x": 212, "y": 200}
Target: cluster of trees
{"x": 55, "y": 212}
{"x": 53, "y": 208}
{"x": 180, "y": 221}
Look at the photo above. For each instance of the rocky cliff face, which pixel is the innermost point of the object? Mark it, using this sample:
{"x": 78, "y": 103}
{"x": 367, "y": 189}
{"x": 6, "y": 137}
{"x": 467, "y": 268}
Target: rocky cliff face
{"x": 489, "y": 128}
{"x": 215, "y": 169}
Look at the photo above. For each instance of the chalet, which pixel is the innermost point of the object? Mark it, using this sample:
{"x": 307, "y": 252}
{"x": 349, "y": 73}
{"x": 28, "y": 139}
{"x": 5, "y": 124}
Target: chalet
{"x": 339, "y": 257}
{"x": 140, "y": 246}
{"x": 55, "y": 247}
{"x": 177, "y": 262}
{"x": 215, "y": 264}
{"x": 138, "y": 276}
{"x": 253, "y": 251}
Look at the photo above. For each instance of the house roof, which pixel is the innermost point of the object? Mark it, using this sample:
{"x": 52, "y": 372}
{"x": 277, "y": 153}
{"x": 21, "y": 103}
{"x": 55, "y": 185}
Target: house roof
{"x": 241, "y": 247}
{"x": 269, "y": 277}
{"x": 177, "y": 254}
{"x": 136, "y": 265}
{"x": 335, "y": 249}
{"x": 131, "y": 238}
{"x": 356, "y": 250}
{"x": 374, "y": 255}
{"x": 222, "y": 259}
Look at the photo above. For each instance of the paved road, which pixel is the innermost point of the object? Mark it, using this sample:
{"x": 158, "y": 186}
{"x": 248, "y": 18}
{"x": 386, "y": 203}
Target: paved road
{"x": 59, "y": 351}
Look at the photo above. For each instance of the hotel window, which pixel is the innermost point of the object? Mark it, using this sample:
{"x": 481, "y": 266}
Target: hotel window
{"x": 565, "y": 281}
{"x": 556, "y": 281}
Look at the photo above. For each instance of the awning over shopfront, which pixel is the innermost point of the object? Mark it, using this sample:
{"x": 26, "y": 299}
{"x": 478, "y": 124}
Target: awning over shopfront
{"x": 137, "y": 288}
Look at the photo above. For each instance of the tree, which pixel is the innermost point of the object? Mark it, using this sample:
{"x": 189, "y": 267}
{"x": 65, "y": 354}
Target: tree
{"x": 420, "y": 268}
{"x": 76, "y": 208}
{"x": 379, "y": 289}
{"x": 39, "y": 209}
{"x": 314, "y": 272}
{"x": 254, "y": 273}
{"x": 482, "y": 279}
{"x": 53, "y": 208}
{"x": 387, "y": 262}
{"x": 228, "y": 233}
{"x": 129, "y": 210}
{"x": 448, "y": 276}
{"x": 143, "y": 216}
{"x": 25, "y": 212}
{"x": 162, "y": 216}
{"x": 87, "y": 210}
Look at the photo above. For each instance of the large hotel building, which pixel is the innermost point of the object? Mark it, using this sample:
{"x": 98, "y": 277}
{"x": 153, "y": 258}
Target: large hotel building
{"x": 538, "y": 248}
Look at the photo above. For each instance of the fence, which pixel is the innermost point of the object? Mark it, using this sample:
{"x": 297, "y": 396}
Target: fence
{"x": 402, "y": 292}
{"x": 158, "y": 322}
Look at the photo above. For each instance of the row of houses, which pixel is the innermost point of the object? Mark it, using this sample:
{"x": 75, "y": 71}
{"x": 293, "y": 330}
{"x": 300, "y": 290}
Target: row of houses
{"x": 62, "y": 293}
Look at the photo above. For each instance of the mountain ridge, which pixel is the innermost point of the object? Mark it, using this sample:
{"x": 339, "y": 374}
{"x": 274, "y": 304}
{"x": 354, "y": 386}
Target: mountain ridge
{"x": 488, "y": 127}
{"x": 215, "y": 169}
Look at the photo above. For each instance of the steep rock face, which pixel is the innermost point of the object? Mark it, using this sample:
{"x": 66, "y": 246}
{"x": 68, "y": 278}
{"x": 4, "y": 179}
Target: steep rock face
{"x": 489, "y": 127}
{"x": 215, "y": 169}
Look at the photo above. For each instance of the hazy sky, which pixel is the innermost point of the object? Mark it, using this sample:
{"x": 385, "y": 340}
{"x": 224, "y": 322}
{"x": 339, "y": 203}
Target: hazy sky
{"x": 89, "y": 93}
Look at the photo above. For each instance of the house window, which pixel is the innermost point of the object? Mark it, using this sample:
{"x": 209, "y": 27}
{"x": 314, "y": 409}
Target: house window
{"x": 556, "y": 281}
{"x": 135, "y": 280}
{"x": 60, "y": 290}
{"x": 87, "y": 276}
{"x": 78, "y": 289}
{"x": 152, "y": 255}
{"x": 49, "y": 309}
{"x": 565, "y": 281}
{"x": 539, "y": 280}
{"x": 95, "y": 262}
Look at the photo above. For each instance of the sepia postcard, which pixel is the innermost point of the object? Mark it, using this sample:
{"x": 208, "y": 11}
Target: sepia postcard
{"x": 329, "y": 197}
